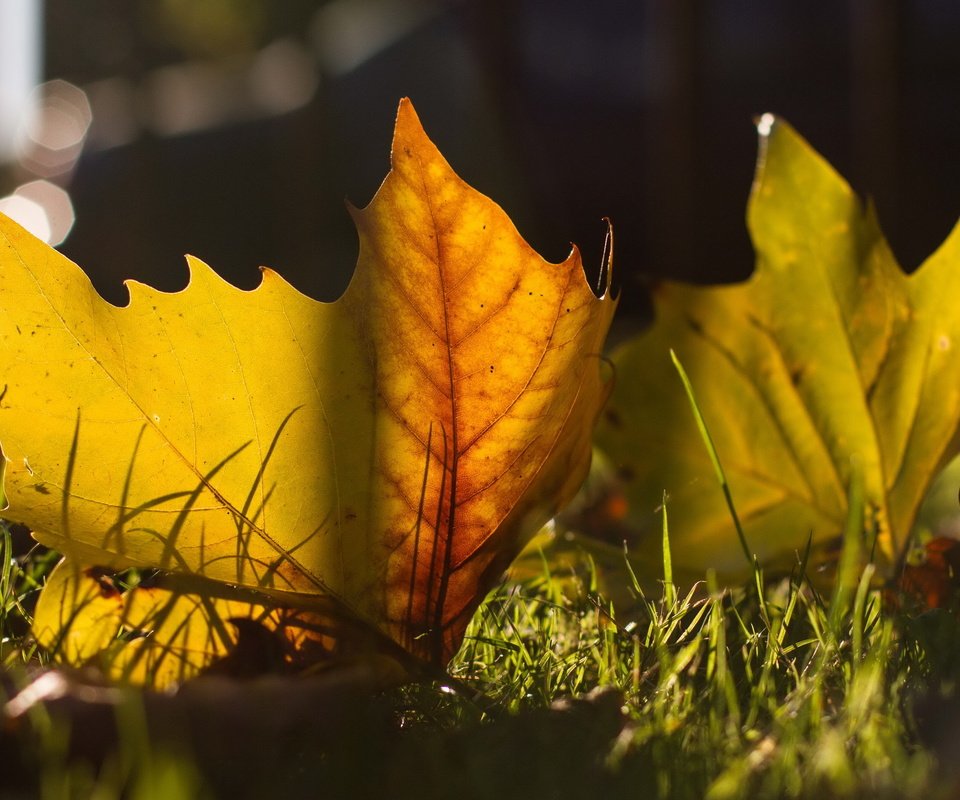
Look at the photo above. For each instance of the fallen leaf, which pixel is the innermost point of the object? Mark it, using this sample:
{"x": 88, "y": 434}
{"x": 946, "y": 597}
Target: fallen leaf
{"x": 931, "y": 579}
{"x": 386, "y": 455}
{"x": 827, "y": 354}
{"x": 80, "y": 611}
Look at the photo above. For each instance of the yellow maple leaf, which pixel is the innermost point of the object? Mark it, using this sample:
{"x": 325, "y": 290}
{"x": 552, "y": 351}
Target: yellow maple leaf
{"x": 390, "y": 452}
{"x": 828, "y": 361}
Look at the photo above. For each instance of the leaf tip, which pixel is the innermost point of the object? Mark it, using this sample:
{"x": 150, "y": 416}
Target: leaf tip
{"x": 605, "y": 279}
{"x": 765, "y": 124}
{"x": 405, "y": 107}
{"x": 407, "y": 125}
{"x": 410, "y": 139}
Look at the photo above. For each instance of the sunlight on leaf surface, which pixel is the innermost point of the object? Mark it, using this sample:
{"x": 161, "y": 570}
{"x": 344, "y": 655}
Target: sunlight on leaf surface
{"x": 392, "y": 450}
{"x": 827, "y": 352}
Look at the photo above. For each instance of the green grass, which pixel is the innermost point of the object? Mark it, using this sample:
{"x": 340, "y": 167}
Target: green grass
{"x": 20, "y": 581}
{"x": 770, "y": 689}
{"x": 694, "y": 692}
{"x": 724, "y": 696}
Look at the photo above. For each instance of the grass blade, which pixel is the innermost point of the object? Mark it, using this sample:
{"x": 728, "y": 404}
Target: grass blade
{"x": 714, "y": 456}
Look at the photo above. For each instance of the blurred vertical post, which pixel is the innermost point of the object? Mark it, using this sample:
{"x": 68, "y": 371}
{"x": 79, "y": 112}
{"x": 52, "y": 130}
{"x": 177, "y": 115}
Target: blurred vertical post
{"x": 21, "y": 64}
{"x": 876, "y": 38}
{"x": 672, "y": 124}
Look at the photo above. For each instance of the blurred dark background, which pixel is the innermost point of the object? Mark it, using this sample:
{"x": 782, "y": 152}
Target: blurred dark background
{"x": 234, "y": 129}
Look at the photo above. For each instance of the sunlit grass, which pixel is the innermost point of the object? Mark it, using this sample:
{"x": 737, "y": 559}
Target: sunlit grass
{"x": 723, "y": 695}
{"x": 20, "y": 581}
{"x": 688, "y": 691}
{"x": 774, "y": 688}
{"x": 769, "y": 689}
